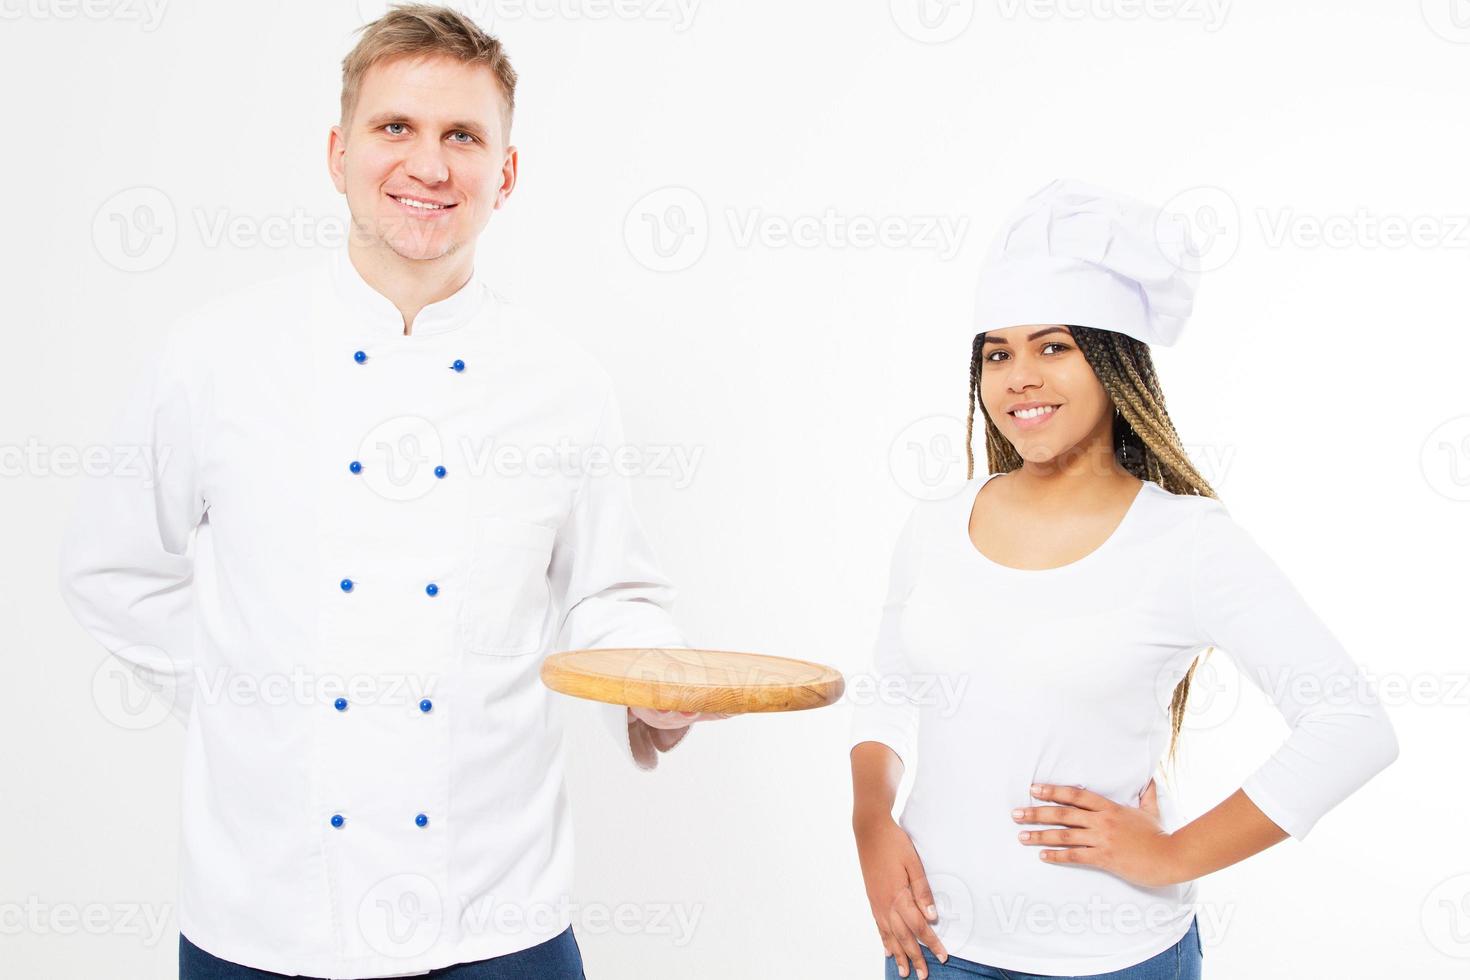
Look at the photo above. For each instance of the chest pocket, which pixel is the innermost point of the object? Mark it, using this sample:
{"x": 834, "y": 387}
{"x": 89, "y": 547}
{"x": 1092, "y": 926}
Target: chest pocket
{"x": 507, "y": 598}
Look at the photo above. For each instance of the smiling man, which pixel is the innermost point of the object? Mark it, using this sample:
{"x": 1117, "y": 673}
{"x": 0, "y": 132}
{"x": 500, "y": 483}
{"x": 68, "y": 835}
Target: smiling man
{"x": 345, "y": 565}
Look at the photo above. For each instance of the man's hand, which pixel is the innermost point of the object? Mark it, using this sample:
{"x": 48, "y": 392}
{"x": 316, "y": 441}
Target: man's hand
{"x": 669, "y": 720}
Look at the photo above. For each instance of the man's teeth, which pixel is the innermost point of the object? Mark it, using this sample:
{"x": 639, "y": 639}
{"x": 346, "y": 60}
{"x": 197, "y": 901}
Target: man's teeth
{"x": 419, "y": 204}
{"x": 1031, "y": 413}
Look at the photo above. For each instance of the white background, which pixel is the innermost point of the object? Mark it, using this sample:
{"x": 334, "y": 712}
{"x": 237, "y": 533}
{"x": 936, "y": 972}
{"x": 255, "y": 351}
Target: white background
{"x": 1320, "y": 387}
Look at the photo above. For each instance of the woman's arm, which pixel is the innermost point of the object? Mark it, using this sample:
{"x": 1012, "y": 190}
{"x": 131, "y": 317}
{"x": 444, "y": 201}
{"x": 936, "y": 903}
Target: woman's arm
{"x": 1233, "y": 831}
{"x": 876, "y": 773}
{"x": 884, "y": 738}
{"x": 1130, "y": 842}
{"x": 1340, "y": 735}
{"x": 898, "y": 892}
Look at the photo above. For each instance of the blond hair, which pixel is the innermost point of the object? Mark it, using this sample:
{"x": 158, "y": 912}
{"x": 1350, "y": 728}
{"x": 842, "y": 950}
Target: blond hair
{"x": 425, "y": 30}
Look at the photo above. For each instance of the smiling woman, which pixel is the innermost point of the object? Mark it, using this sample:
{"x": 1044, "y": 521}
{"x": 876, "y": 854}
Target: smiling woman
{"x": 1072, "y": 588}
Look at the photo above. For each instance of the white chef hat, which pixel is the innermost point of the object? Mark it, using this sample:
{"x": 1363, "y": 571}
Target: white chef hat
{"x": 1079, "y": 254}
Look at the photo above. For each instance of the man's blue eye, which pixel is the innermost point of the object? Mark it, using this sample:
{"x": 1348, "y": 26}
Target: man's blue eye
{"x": 391, "y": 125}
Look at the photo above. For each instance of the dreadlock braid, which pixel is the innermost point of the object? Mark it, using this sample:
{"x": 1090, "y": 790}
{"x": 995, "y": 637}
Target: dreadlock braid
{"x": 1144, "y": 439}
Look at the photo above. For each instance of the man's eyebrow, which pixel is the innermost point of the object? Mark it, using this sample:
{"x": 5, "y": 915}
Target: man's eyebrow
{"x": 384, "y": 118}
{"x": 1040, "y": 333}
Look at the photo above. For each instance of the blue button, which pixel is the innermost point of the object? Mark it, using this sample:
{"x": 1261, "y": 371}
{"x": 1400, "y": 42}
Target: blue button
{"x": 359, "y": 356}
{"x": 439, "y": 471}
{"x": 355, "y": 466}
{"x": 347, "y": 585}
{"x": 337, "y": 820}
{"x": 340, "y": 704}
{"x": 432, "y": 589}
{"x": 422, "y": 820}
{"x": 426, "y": 705}
{"x": 458, "y": 365}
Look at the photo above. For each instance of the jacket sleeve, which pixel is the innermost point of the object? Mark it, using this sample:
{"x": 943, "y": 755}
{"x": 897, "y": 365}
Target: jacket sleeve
{"x": 1340, "y": 734}
{"x": 125, "y": 568}
{"x": 608, "y": 583}
{"x": 883, "y": 710}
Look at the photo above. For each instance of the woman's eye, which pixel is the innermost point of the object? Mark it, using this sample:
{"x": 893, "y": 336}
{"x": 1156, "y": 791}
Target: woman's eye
{"x": 999, "y": 353}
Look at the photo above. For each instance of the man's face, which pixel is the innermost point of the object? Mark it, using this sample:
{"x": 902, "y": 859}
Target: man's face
{"x": 425, "y": 131}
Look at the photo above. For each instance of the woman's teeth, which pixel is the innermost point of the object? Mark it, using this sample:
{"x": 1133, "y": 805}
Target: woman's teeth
{"x": 1031, "y": 413}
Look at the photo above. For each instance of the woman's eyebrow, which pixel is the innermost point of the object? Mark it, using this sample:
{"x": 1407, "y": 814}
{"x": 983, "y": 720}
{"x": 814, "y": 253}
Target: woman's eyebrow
{"x": 1040, "y": 333}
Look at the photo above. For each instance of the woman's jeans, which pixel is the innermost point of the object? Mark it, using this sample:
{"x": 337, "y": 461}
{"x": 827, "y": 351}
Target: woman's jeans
{"x": 556, "y": 959}
{"x": 1179, "y": 962}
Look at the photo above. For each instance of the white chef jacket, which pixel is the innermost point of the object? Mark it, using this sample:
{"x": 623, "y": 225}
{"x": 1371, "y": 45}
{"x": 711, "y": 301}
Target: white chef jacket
{"x": 373, "y": 776}
{"x": 992, "y": 678}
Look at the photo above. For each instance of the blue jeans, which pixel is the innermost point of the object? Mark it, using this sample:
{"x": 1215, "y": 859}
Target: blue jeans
{"x": 556, "y": 959}
{"x": 1179, "y": 962}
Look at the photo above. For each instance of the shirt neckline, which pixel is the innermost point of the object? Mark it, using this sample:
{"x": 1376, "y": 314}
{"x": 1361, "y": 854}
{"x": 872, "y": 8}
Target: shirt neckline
{"x": 374, "y": 314}
{"x": 1128, "y": 516}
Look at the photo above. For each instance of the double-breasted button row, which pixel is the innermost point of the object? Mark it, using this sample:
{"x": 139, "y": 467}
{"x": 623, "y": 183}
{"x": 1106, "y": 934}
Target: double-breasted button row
{"x": 360, "y": 356}
{"x": 431, "y": 590}
{"x": 347, "y": 585}
{"x": 425, "y": 705}
{"x": 419, "y": 819}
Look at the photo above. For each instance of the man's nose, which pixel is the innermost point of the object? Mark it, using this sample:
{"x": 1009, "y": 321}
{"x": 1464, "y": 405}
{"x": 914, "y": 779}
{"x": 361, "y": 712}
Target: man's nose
{"x": 426, "y": 163}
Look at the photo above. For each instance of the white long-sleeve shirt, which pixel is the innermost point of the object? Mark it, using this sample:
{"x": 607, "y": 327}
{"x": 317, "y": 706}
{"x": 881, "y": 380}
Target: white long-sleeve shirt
{"x": 992, "y": 678}
{"x": 373, "y": 777}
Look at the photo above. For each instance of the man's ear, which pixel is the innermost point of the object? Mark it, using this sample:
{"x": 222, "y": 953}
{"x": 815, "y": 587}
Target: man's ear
{"x": 336, "y": 153}
{"x": 509, "y": 171}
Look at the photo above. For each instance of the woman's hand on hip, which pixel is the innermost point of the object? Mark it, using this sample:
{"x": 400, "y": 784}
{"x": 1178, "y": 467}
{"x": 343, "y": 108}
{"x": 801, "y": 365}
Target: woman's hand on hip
{"x": 898, "y": 893}
{"x": 1128, "y": 841}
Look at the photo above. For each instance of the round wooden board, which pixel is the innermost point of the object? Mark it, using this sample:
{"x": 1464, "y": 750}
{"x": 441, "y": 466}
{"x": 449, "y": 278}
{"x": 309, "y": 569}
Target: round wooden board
{"x": 676, "y": 679}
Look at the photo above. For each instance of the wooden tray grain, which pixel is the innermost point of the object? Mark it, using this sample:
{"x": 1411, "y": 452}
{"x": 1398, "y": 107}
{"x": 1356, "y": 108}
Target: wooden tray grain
{"x": 677, "y": 679}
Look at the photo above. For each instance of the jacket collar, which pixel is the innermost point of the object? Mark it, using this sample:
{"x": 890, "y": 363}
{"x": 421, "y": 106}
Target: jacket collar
{"x": 373, "y": 313}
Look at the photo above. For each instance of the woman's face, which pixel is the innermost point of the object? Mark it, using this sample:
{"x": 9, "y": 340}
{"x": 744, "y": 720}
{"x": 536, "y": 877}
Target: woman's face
{"x": 1041, "y": 365}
